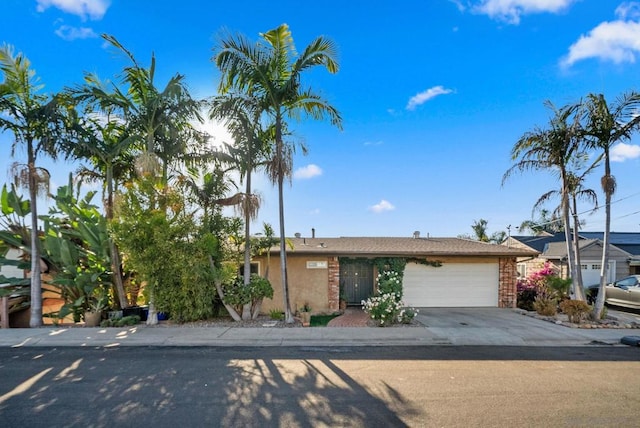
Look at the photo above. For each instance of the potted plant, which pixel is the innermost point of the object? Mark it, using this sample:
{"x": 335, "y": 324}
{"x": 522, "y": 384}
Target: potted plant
{"x": 96, "y": 304}
{"x": 305, "y": 314}
{"x": 343, "y": 301}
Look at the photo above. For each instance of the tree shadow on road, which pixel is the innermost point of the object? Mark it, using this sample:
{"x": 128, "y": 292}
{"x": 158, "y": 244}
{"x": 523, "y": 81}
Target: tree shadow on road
{"x": 190, "y": 387}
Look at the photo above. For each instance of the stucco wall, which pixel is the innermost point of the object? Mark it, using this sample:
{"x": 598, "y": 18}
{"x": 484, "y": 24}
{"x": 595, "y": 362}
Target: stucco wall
{"x": 306, "y": 285}
{"x": 320, "y": 287}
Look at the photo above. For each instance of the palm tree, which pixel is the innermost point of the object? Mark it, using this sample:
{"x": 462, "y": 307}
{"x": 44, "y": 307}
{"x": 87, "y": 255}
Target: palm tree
{"x": 576, "y": 191}
{"x": 553, "y": 149}
{"x": 605, "y": 125}
{"x": 480, "y": 229}
{"x": 546, "y": 223}
{"x": 163, "y": 120}
{"x": 242, "y": 118}
{"x": 38, "y": 123}
{"x": 271, "y": 71}
{"x": 108, "y": 146}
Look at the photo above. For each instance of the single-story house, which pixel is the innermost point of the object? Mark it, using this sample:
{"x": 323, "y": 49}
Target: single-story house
{"x": 439, "y": 272}
{"x": 624, "y": 254}
{"x": 626, "y": 241}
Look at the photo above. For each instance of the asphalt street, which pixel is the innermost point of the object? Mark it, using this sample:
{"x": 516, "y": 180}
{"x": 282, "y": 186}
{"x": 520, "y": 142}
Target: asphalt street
{"x": 310, "y": 386}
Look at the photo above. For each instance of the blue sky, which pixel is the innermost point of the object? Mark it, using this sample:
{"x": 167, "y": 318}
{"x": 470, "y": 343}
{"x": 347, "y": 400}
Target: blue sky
{"x": 433, "y": 95}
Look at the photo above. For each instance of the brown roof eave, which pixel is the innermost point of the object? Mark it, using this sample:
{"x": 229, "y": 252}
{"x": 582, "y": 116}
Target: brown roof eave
{"x": 347, "y": 253}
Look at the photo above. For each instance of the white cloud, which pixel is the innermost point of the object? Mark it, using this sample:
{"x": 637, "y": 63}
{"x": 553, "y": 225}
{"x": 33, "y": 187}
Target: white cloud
{"x": 307, "y": 172}
{"x": 621, "y": 152}
{"x": 628, "y": 10}
{"x": 510, "y": 11}
{"x": 617, "y": 41}
{"x": 69, "y": 33}
{"x": 373, "y": 143}
{"x": 382, "y": 206}
{"x": 93, "y": 9}
{"x": 425, "y": 96}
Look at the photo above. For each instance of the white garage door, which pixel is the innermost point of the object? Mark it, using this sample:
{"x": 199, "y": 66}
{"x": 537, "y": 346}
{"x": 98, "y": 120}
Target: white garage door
{"x": 451, "y": 285}
{"x": 591, "y": 272}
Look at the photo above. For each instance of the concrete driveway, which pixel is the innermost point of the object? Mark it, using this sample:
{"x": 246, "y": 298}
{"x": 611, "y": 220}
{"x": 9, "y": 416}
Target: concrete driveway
{"x": 496, "y": 326}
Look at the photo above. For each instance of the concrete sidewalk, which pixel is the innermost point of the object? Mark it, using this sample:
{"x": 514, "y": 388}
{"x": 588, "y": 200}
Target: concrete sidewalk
{"x": 443, "y": 327}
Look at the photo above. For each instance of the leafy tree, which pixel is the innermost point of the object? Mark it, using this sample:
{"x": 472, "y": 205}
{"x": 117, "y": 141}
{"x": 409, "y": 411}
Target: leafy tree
{"x": 605, "y": 125}
{"x": 39, "y": 123}
{"x": 166, "y": 249}
{"x": 553, "y": 149}
{"x": 271, "y": 71}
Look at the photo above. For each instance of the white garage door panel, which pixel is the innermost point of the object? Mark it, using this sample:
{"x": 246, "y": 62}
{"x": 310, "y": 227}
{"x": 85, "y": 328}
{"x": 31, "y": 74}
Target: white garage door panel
{"x": 451, "y": 285}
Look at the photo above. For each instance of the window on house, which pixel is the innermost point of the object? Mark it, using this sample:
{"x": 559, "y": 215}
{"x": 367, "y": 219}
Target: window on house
{"x": 596, "y": 267}
{"x": 255, "y": 268}
{"x": 522, "y": 270}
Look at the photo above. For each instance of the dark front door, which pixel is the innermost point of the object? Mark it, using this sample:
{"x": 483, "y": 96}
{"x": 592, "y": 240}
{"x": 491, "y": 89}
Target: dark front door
{"x": 356, "y": 281}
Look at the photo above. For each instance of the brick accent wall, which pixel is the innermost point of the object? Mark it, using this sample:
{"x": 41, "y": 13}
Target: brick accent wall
{"x": 334, "y": 283}
{"x": 507, "y": 290}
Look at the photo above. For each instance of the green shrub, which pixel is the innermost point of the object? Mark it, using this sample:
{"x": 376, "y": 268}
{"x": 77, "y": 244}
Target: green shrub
{"x": 546, "y": 302}
{"x": 237, "y": 294}
{"x": 407, "y": 315}
{"x": 576, "y": 310}
{"x": 121, "y": 322}
{"x": 526, "y": 298}
{"x": 559, "y": 287}
{"x": 390, "y": 282}
{"x": 276, "y": 314}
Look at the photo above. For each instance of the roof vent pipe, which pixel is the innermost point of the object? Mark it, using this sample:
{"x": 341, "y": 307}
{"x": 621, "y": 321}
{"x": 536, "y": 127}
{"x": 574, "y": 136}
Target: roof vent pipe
{"x": 313, "y": 232}
{"x": 416, "y": 234}
{"x": 298, "y": 234}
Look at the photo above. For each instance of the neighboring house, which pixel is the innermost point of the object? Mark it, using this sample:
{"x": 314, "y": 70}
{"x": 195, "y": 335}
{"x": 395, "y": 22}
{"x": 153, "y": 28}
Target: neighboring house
{"x": 51, "y": 300}
{"x": 626, "y": 241}
{"x": 9, "y": 271}
{"x": 590, "y": 260}
{"x": 624, "y": 254}
{"x": 471, "y": 273}
{"x": 537, "y": 243}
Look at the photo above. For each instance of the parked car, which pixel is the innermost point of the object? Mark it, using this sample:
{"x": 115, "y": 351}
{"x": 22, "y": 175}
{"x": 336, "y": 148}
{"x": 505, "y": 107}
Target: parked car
{"x": 624, "y": 292}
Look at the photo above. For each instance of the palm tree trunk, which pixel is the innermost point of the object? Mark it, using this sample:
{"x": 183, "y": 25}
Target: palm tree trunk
{"x": 113, "y": 248}
{"x": 571, "y": 261}
{"x": 36, "y": 275}
{"x": 608, "y": 187}
{"x": 283, "y": 255}
{"x": 580, "y": 294}
{"x": 283, "y": 245}
{"x": 246, "y": 310}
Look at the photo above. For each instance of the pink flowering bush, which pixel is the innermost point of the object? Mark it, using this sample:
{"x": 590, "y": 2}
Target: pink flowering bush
{"x": 535, "y": 285}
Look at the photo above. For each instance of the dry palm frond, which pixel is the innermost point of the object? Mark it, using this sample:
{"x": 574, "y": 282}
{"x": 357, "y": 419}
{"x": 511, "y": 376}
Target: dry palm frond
{"x": 21, "y": 173}
{"x": 147, "y": 164}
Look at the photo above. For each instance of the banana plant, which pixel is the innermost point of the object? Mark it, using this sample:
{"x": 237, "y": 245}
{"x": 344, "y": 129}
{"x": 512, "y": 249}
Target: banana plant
{"x": 75, "y": 247}
{"x": 14, "y": 233}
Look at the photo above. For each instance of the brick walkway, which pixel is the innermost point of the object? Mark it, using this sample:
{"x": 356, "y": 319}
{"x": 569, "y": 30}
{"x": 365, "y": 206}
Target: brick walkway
{"x": 352, "y": 317}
